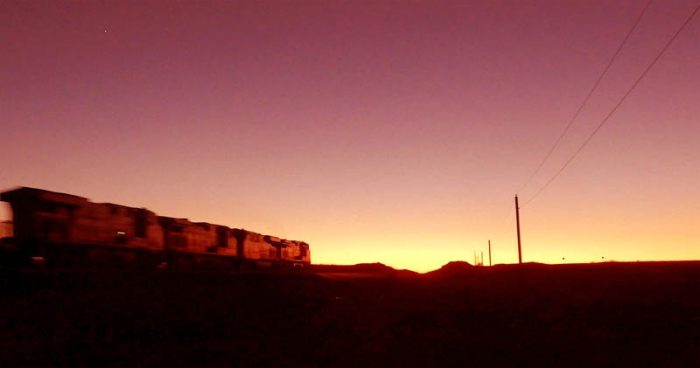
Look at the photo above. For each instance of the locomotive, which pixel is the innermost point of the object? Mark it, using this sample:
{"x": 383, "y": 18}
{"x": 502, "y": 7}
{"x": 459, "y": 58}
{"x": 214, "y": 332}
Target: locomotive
{"x": 63, "y": 228}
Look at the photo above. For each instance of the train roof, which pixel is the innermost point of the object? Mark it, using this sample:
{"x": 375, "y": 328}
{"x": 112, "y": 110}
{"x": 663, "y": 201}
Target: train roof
{"x": 27, "y": 193}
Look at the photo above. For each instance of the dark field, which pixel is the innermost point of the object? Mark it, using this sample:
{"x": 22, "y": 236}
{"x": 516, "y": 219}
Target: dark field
{"x": 614, "y": 314}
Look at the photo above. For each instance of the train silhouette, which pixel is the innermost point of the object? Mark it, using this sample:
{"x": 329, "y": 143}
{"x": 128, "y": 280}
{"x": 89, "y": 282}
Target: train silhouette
{"x": 64, "y": 229}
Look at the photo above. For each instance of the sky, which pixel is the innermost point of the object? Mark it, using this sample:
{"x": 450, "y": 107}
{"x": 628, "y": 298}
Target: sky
{"x": 376, "y": 131}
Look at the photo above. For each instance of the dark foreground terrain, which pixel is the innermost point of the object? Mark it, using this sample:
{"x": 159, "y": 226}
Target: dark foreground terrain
{"x": 614, "y": 314}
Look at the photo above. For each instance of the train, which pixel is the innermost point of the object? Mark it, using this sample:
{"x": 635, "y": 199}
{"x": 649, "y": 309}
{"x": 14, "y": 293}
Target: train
{"x": 59, "y": 228}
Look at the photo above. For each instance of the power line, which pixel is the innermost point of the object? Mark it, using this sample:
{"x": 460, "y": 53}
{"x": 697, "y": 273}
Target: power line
{"x": 588, "y": 96}
{"x": 619, "y": 103}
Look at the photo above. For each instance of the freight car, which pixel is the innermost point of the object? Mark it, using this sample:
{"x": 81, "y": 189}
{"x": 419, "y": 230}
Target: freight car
{"x": 63, "y": 228}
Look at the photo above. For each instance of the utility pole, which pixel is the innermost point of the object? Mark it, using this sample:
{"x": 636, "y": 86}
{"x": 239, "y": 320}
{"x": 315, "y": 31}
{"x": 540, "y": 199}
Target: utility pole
{"x": 517, "y": 221}
{"x": 482, "y": 257}
{"x": 489, "y": 252}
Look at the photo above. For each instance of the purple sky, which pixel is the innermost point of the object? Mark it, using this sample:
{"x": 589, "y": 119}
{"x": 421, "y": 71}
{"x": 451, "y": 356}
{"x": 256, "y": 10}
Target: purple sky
{"x": 376, "y": 131}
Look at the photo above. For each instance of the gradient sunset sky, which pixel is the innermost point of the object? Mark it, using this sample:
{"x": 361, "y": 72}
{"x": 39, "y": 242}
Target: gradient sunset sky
{"x": 377, "y": 131}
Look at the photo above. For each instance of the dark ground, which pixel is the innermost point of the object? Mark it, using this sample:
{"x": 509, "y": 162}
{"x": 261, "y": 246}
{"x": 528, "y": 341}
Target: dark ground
{"x": 614, "y": 314}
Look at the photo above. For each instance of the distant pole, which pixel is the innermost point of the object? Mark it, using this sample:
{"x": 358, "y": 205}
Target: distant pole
{"x": 482, "y": 257}
{"x": 517, "y": 221}
{"x": 489, "y": 252}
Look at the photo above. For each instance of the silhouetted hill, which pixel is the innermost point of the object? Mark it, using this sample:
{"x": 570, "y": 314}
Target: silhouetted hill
{"x": 360, "y": 267}
{"x": 361, "y": 270}
{"x": 451, "y": 269}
